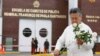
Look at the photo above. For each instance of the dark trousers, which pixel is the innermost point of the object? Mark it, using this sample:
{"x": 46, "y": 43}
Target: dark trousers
{"x": 33, "y": 51}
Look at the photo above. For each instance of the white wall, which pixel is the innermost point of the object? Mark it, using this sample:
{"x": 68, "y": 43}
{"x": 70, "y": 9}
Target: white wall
{"x": 72, "y": 4}
{"x": 0, "y": 30}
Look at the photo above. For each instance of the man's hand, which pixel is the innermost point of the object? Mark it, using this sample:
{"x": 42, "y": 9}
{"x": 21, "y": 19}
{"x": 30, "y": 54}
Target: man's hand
{"x": 80, "y": 41}
{"x": 56, "y": 52}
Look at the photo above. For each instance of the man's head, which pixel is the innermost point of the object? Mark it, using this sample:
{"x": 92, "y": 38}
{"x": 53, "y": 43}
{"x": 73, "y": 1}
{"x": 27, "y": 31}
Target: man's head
{"x": 76, "y": 15}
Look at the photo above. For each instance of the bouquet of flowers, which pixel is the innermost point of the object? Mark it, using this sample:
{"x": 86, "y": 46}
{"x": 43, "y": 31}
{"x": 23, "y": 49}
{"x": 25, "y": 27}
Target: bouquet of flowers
{"x": 81, "y": 34}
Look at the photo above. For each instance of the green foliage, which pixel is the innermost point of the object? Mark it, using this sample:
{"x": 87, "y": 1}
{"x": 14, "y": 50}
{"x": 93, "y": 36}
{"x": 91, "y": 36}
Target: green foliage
{"x": 85, "y": 36}
{"x": 81, "y": 34}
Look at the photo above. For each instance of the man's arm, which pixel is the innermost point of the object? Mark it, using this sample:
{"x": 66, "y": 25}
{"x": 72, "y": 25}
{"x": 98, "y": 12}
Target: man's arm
{"x": 60, "y": 43}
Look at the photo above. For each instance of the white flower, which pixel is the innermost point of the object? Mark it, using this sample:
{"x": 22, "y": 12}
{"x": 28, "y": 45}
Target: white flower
{"x": 74, "y": 24}
{"x": 94, "y": 34}
{"x": 89, "y": 35}
{"x": 77, "y": 32}
{"x": 80, "y": 26}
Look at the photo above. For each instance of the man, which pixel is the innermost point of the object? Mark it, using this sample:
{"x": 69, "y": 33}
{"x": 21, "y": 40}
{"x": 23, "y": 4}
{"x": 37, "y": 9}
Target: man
{"x": 32, "y": 46}
{"x": 36, "y": 44}
{"x": 68, "y": 37}
{"x": 46, "y": 46}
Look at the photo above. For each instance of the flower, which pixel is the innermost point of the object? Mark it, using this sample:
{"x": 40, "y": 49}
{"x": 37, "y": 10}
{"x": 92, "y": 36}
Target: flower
{"x": 74, "y": 24}
{"x": 76, "y": 27}
{"x": 77, "y": 32}
{"x": 94, "y": 34}
{"x": 82, "y": 34}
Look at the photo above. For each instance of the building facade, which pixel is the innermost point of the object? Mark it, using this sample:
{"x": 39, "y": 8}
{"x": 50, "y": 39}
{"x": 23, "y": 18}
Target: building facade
{"x": 22, "y": 20}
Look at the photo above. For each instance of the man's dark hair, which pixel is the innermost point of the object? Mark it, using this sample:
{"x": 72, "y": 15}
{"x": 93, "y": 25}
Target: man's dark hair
{"x": 76, "y": 10}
